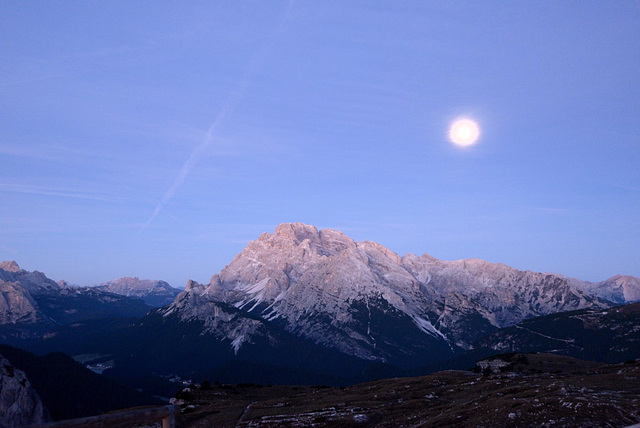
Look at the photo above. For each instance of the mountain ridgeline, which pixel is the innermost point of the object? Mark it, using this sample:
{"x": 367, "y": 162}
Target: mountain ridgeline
{"x": 302, "y": 305}
{"x": 153, "y": 292}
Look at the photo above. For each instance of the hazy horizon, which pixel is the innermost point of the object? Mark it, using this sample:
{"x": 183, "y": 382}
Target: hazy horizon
{"x": 182, "y": 286}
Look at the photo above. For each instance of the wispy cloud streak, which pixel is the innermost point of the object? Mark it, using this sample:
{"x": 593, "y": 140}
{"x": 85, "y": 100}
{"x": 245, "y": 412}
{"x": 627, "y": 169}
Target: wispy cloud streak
{"x": 230, "y": 105}
{"x": 47, "y": 191}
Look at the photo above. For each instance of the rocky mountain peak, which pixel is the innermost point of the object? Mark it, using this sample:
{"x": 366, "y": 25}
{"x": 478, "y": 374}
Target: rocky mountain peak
{"x": 320, "y": 282}
{"x": 193, "y": 285}
{"x": 303, "y": 239}
{"x": 618, "y": 289}
{"x": 10, "y": 266}
{"x": 623, "y": 279}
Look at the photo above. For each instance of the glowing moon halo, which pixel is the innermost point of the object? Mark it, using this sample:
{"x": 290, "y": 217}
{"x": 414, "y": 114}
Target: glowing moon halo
{"x": 464, "y": 132}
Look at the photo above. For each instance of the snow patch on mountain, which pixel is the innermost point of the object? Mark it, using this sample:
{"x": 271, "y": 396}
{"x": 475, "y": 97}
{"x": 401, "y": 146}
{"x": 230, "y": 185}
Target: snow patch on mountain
{"x": 219, "y": 320}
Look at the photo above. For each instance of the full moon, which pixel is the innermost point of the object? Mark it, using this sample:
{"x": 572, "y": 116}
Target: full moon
{"x": 464, "y": 132}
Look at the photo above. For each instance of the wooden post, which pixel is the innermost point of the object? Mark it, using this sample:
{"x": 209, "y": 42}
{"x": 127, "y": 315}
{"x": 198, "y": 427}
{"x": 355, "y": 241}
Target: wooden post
{"x": 169, "y": 421}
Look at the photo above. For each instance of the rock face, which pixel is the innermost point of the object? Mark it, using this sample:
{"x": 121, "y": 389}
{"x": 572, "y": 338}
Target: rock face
{"x": 219, "y": 320}
{"x": 19, "y": 403}
{"x": 153, "y": 292}
{"x": 367, "y": 301}
{"x": 16, "y": 304}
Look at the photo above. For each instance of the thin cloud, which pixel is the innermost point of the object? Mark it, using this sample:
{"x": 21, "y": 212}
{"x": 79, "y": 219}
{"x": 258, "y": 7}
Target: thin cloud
{"x": 48, "y": 191}
{"x": 232, "y": 102}
{"x": 27, "y": 152}
{"x": 55, "y": 152}
{"x": 33, "y": 79}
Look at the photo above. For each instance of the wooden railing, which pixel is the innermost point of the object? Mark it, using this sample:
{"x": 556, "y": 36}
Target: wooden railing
{"x": 126, "y": 418}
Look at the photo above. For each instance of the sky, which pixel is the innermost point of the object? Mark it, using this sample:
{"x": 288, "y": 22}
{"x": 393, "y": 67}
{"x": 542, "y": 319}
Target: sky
{"x": 156, "y": 139}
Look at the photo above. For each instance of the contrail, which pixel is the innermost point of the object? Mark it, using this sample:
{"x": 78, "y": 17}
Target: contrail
{"x": 193, "y": 158}
{"x": 234, "y": 99}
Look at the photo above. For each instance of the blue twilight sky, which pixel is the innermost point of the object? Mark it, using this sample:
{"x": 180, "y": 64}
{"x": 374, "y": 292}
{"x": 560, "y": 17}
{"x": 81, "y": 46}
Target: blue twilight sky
{"x": 156, "y": 139}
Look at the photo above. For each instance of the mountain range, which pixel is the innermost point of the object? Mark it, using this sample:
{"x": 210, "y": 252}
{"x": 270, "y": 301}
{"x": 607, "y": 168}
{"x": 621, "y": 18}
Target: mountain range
{"x": 363, "y": 300}
{"x": 302, "y": 305}
{"x": 31, "y": 303}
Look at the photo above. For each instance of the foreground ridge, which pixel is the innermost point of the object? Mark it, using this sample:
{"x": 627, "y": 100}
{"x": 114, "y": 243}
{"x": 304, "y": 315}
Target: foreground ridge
{"x": 519, "y": 390}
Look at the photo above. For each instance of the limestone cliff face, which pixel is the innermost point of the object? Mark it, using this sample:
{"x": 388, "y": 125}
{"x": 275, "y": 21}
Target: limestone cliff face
{"x": 326, "y": 287}
{"x": 19, "y": 402}
{"x": 16, "y": 304}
